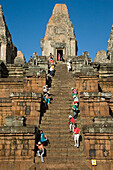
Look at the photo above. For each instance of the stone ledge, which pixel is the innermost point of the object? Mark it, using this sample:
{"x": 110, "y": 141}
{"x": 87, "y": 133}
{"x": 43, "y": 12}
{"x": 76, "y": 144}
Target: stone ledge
{"x": 5, "y": 100}
{"x": 17, "y": 130}
{"x": 103, "y": 120}
{"x": 25, "y": 94}
{"x": 95, "y": 94}
{"x": 11, "y": 79}
{"x": 98, "y": 129}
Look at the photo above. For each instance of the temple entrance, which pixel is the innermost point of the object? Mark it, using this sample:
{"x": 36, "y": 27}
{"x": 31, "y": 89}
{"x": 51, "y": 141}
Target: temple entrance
{"x": 59, "y": 54}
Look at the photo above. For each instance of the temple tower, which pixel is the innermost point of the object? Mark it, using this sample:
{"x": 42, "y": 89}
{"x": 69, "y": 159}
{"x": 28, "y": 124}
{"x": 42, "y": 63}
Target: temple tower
{"x": 7, "y": 49}
{"x": 59, "y": 36}
{"x": 110, "y": 47}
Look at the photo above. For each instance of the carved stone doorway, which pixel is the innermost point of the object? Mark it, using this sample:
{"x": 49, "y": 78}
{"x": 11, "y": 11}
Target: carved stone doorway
{"x": 59, "y": 54}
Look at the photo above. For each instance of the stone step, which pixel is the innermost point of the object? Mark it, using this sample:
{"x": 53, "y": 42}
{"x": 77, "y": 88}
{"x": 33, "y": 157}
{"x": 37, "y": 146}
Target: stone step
{"x": 60, "y": 166}
{"x": 59, "y": 107}
{"x": 59, "y": 115}
{"x": 74, "y": 150}
{"x": 67, "y": 87}
{"x": 60, "y": 111}
{"x": 69, "y": 144}
{"x": 60, "y": 104}
{"x": 76, "y": 155}
{"x": 62, "y": 98}
{"x": 45, "y": 125}
{"x": 55, "y": 122}
{"x": 64, "y": 137}
{"x": 64, "y": 159}
{"x": 56, "y": 129}
{"x": 63, "y": 82}
{"x": 71, "y": 149}
{"x": 60, "y": 119}
{"x": 59, "y": 135}
{"x": 53, "y": 140}
{"x": 58, "y": 124}
{"x": 61, "y": 92}
{"x": 61, "y": 101}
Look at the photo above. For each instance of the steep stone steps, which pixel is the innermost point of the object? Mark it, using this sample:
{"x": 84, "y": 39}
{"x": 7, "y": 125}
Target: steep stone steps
{"x": 61, "y": 152}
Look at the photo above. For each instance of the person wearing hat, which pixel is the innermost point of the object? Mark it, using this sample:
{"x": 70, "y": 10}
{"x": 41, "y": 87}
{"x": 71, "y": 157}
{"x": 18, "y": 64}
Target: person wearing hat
{"x": 40, "y": 151}
{"x": 74, "y": 108}
{"x": 71, "y": 123}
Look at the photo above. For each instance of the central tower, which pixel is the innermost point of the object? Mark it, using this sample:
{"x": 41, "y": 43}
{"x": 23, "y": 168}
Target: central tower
{"x": 59, "y": 36}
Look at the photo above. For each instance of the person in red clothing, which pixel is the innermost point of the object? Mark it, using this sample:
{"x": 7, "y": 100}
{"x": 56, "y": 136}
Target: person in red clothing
{"x": 76, "y": 135}
{"x": 71, "y": 123}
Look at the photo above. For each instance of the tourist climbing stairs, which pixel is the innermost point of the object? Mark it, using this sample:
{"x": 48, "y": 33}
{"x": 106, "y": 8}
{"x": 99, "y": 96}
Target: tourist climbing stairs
{"x": 61, "y": 152}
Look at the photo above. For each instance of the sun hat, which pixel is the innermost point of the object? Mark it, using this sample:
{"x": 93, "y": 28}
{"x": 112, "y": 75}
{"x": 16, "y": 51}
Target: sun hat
{"x": 70, "y": 116}
{"x": 39, "y": 143}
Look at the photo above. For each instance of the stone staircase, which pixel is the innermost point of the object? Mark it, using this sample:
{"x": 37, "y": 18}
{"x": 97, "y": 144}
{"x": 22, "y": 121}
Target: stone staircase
{"x": 15, "y": 71}
{"x": 61, "y": 152}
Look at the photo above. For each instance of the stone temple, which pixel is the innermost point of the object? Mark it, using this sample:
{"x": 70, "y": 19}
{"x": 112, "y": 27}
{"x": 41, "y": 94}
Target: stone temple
{"x": 7, "y": 49}
{"x": 59, "y": 36}
{"x": 22, "y": 108}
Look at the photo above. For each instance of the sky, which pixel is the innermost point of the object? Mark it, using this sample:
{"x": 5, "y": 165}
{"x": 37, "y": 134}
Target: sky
{"x": 27, "y": 19}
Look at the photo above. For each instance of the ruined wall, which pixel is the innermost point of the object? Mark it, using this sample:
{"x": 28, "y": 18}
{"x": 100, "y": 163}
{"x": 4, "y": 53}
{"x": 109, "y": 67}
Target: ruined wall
{"x": 16, "y": 98}
{"x": 98, "y": 140}
{"x": 87, "y": 84}
{"x": 27, "y": 105}
{"x": 93, "y": 104}
{"x": 20, "y": 96}
{"x": 16, "y": 147}
{"x": 7, "y": 49}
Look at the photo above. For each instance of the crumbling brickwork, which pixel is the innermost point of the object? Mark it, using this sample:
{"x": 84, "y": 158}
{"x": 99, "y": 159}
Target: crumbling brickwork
{"x": 16, "y": 147}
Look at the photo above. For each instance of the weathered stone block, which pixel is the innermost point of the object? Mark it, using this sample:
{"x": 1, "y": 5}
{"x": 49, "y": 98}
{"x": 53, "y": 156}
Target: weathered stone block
{"x": 14, "y": 121}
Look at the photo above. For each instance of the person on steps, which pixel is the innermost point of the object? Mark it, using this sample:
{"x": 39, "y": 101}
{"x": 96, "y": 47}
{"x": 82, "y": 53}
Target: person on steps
{"x": 74, "y": 92}
{"x": 76, "y": 135}
{"x": 52, "y": 70}
{"x": 40, "y": 151}
{"x": 46, "y": 99}
{"x": 71, "y": 123}
{"x": 76, "y": 99}
{"x": 74, "y": 108}
{"x": 68, "y": 66}
{"x": 43, "y": 138}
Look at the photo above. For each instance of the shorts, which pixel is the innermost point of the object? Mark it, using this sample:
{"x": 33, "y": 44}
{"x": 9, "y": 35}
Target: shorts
{"x": 76, "y": 137}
